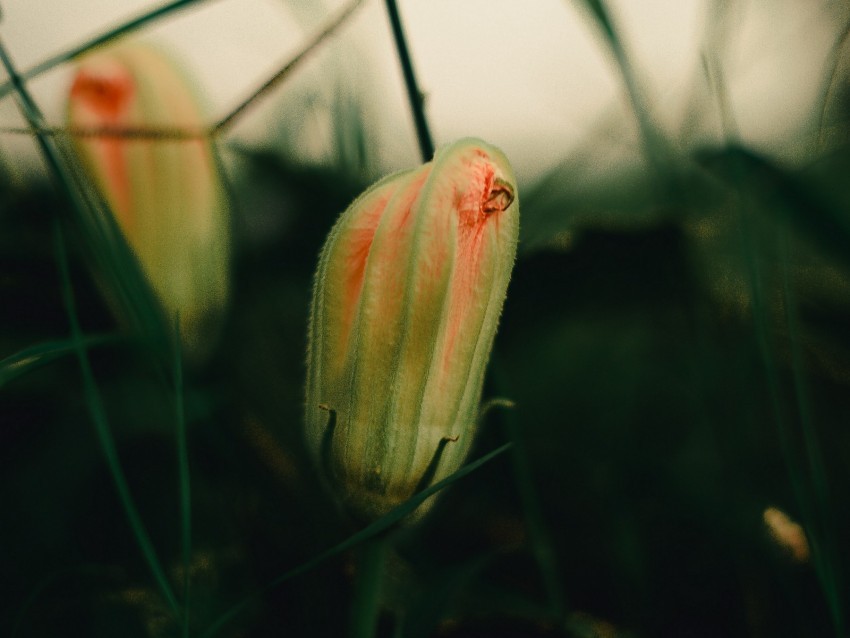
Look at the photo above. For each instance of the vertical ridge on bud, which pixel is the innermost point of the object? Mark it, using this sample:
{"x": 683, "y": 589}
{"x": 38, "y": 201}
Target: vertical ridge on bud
{"x": 407, "y": 297}
{"x": 166, "y": 195}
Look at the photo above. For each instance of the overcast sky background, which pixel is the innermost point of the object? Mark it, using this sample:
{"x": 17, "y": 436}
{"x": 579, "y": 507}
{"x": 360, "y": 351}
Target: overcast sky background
{"x": 533, "y": 77}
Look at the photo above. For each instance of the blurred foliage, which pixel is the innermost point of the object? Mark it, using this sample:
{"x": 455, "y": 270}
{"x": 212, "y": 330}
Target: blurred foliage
{"x": 674, "y": 340}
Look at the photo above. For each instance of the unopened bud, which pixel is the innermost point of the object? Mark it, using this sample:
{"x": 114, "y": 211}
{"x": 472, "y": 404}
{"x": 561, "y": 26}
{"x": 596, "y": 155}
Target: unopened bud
{"x": 408, "y": 293}
{"x": 166, "y": 194}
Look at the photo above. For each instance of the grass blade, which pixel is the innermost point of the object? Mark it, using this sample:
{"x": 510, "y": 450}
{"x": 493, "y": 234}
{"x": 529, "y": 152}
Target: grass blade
{"x": 104, "y": 242}
{"x": 763, "y": 185}
{"x": 107, "y": 443}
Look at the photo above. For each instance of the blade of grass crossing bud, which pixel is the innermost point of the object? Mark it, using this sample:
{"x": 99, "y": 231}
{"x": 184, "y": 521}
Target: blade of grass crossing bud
{"x": 380, "y": 526}
{"x": 107, "y": 443}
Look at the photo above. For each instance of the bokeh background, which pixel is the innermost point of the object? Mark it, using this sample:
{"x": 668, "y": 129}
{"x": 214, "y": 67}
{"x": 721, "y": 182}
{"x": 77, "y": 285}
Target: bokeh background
{"x": 674, "y": 339}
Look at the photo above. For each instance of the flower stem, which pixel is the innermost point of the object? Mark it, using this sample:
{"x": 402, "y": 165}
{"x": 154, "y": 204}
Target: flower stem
{"x": 366, "y": 606}
{"x": 417, "y": 103}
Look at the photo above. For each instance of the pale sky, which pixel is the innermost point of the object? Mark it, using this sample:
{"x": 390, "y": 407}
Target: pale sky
{"x": 533, "y": 77}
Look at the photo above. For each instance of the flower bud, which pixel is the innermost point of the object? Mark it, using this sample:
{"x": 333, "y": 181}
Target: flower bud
{"x": 165, "y": 194}
{"x": 407, "y": 297}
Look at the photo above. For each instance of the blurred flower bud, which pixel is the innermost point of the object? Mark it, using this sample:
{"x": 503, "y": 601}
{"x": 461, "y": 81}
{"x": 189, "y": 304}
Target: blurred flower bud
{"x": 166, "y": 194}
{"x": 788, "y": 534}
{"x": 408, "y": 293}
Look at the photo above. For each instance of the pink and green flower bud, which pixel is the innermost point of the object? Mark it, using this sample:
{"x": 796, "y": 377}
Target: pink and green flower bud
{"x": 408, "y": 293}
{"x": 166, "y": 194}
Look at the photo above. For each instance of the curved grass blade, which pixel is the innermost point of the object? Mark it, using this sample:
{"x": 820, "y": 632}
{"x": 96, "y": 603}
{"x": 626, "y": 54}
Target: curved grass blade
{"x": 784, "y": 194}
{"x": 766, "y": 186}
{"x": 370, "y": 531}
{"x": 111, "y": 34}
{"x": 539, "y": 538}
{"x": 832, "y": 577}
{"x": 655, "y": 146}
{"x": 98, "y": 415}
{"x": 34, "y": 357}
{"x": 286, "y": 69}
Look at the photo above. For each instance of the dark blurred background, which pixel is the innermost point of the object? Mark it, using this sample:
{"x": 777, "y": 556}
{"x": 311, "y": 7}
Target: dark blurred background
{"x": 674, "y": 338}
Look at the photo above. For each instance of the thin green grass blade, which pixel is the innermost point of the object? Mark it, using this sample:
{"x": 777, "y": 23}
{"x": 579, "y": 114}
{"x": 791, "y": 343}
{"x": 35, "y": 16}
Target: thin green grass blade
{"x": 226, "y": 121}
{"x": 34, "y": 357}
{"x": 787, "y": 196}
{"x": 103, "y": 241}
{"x": 370, "y": 531}
{"x": 111, "y": 34}
{"x": 183, "y": 474}
{"x": 832, "y": 577}
{"x": 107, "y": 443}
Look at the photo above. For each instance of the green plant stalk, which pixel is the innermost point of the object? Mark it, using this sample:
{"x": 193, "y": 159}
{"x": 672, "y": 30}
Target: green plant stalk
{"x": 111, "y": 34}
{"x": 107, "y": 443}
{"x": 820, "y": 484}
{"x": 183, "y": 473}
{"x": 414, "y": 95}
{"x": 541, "y": 543}
{"x": 366, "y": 606}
